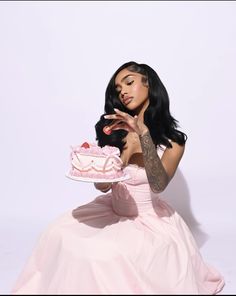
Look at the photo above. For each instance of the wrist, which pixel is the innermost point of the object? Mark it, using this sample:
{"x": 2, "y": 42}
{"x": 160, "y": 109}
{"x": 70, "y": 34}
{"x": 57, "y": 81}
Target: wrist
{"x": 143, "y": 132}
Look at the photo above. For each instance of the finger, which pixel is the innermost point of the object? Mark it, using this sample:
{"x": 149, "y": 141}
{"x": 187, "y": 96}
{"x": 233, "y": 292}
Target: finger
{"x": 108, "y": 128}
{"x": 117, "y": 123}
{"x": 123, "y": 114}
{"x": 113, "y": 116}
{"x": 120, "y": 126}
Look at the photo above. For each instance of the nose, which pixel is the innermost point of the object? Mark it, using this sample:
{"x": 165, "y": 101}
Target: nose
{"x": 123, "y": 93}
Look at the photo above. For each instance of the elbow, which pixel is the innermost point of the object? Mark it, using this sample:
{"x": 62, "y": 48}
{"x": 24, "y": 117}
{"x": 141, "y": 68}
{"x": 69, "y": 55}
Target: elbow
{"x": 158, "y": 189}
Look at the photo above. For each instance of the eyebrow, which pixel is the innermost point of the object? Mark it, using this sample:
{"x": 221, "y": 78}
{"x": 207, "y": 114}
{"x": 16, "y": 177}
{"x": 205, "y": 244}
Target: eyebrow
{"x": 124, "y": 78}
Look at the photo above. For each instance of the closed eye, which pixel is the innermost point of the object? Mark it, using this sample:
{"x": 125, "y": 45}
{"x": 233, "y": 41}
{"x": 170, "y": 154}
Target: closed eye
{"x": 127, "y": 83}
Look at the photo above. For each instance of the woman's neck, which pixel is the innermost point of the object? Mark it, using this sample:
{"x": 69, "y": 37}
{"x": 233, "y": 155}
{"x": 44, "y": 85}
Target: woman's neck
{"x": 140, "y": 110}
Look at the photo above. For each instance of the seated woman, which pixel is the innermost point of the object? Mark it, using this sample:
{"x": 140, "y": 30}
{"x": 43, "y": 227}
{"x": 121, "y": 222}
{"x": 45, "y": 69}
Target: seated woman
{"x": 127, "y": 240}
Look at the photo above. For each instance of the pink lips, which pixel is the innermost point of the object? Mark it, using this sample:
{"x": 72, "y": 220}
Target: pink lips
{"x": 127, "y": 100}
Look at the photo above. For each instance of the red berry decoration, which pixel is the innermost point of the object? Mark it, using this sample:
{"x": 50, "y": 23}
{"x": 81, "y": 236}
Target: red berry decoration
{"x": 85, "y": 145}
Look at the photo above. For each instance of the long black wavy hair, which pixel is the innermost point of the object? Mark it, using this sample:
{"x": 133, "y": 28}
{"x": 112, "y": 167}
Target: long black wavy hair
{"x": 161, "y": 124}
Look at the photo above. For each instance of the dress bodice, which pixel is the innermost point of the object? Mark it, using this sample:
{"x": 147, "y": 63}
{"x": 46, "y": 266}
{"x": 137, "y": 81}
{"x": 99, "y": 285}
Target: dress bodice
{"x": 138, "y": 173}
{"x": 133, "y": 196}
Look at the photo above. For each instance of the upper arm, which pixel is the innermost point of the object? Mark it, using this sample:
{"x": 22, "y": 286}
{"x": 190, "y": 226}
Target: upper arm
{"x": 171, "y": 158}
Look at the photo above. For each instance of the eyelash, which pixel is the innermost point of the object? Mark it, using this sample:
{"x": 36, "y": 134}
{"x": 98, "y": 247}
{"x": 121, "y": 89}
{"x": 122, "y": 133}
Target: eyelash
{"x": 128, "y": 83}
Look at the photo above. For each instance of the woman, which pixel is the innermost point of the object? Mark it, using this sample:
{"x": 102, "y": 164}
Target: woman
{"x": 127, "y": 240}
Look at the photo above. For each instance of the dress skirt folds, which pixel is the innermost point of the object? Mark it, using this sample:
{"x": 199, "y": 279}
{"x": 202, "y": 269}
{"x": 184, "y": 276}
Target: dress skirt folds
{"x": 128, "y": 241}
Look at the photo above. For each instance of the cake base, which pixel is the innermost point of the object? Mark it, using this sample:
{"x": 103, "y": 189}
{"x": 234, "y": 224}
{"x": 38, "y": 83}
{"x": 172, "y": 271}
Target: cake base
{"x": 93, "y": 180}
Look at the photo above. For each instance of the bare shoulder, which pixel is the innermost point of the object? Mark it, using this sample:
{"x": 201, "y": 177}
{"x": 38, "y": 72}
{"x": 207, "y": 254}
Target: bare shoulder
{"x": 171, "y": 158}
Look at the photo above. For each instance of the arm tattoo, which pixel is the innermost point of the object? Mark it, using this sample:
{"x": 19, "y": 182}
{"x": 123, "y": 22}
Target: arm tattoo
{"x": 156, "y": 174}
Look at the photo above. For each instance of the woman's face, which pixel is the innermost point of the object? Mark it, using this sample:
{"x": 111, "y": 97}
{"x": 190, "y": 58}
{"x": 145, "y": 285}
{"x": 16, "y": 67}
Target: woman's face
{"x": 133, "y": 92}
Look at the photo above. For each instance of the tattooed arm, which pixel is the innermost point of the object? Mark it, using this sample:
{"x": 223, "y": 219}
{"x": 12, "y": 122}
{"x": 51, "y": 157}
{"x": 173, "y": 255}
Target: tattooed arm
{"x": 156, "y": 174}
{"x": 159, "y": 171}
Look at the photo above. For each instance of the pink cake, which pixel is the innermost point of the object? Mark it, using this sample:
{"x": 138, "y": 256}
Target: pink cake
{"x": 89, "y": 161}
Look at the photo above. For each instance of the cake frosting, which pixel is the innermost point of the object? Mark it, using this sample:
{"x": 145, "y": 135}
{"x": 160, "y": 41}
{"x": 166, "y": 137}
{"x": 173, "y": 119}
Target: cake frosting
{"x": 90, "y": 161}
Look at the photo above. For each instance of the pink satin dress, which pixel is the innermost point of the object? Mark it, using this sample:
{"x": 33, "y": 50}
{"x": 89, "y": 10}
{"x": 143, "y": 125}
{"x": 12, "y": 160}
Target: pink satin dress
{"x": 128, "y": 241}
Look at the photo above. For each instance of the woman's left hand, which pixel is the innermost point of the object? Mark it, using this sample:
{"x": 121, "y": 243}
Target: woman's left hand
{"x": 122, "y": 120}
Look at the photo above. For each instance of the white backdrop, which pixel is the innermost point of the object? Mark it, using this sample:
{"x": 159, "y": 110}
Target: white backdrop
{"x": 56, "y": 59}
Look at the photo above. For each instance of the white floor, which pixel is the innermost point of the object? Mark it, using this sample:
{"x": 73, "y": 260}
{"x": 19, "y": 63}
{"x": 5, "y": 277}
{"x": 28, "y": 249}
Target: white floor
{"x": 219, "y": 251}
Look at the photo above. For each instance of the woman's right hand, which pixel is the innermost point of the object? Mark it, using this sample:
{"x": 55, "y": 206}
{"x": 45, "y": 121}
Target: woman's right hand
{"x": 125, "y": 121}
{"x": 104, "y": 187}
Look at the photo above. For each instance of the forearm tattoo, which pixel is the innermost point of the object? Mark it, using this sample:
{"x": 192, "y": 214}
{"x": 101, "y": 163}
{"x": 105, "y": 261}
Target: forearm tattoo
{"x": 156, "y": 174}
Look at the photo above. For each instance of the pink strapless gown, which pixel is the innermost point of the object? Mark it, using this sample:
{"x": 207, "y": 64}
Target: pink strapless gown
{"x": 128, "y": 241}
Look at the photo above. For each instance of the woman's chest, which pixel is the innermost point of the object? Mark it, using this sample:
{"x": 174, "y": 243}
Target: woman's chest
{"x": 132, "y": 152}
